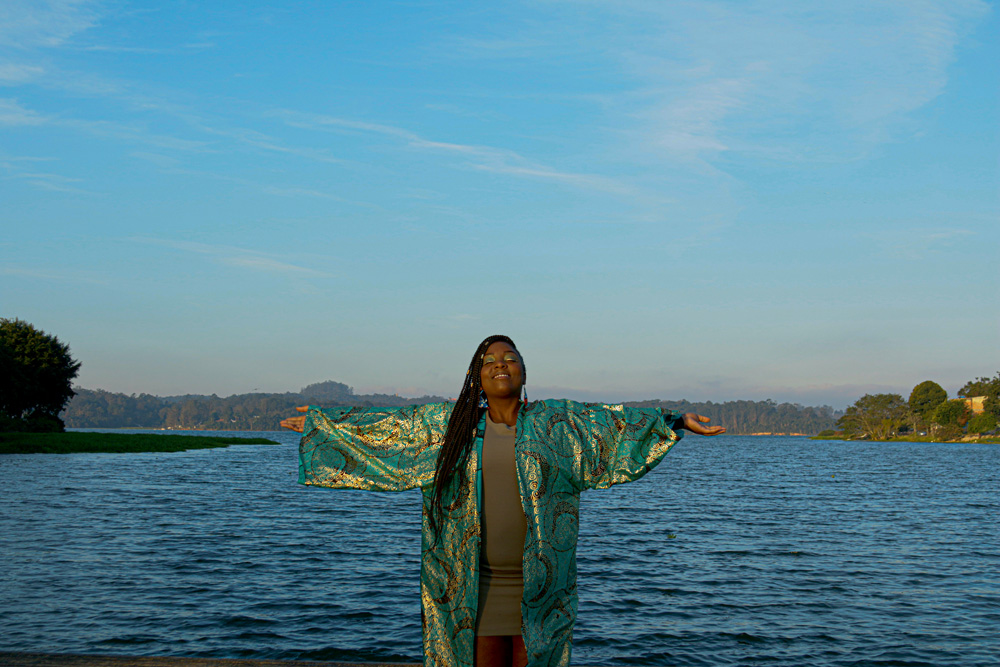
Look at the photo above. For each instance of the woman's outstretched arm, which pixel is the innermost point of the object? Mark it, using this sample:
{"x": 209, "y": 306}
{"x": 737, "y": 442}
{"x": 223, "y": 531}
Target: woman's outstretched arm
{"x": 379, "y": 449}
{"x": 611, "y": 444}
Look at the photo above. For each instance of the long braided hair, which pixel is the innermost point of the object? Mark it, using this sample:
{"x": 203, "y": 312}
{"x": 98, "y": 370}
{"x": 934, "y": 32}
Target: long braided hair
{"x": 460, "y": 435}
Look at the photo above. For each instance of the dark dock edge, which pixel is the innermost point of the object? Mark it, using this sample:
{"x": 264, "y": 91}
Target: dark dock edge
{"x": 8, "y": 659}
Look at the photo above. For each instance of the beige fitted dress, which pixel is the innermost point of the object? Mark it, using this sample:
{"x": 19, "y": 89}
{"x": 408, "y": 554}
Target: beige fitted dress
{"x": 501, "y": 579}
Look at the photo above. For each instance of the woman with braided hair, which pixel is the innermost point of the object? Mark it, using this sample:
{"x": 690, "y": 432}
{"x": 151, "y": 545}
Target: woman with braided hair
{"x": 501, "y": 481}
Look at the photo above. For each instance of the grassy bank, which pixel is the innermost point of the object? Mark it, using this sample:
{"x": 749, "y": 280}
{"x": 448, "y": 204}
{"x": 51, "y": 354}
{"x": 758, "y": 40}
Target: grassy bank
{"x": 986, "y": 439}
{"x": 119, "y": 443}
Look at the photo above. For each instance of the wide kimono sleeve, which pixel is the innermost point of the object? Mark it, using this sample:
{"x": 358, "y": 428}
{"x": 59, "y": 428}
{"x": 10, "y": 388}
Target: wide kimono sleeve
{"x": 379, "y": 449}
{"x": 613, "y": 444}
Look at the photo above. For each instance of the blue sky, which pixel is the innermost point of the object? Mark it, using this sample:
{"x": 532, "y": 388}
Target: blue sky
{"x": 705, "y": 200}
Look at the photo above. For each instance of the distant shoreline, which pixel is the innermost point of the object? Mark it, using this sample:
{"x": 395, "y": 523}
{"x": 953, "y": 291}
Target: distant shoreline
{"x": 91, "y": 408}
{"x": 76, "y": 442}
{"x": 984, "y": 440}
{"x": 166, "y": 430}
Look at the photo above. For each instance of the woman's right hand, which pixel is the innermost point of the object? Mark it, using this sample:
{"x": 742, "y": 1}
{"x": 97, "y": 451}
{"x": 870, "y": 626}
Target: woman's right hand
{"x": 296, "y": 423}
{"x": 693, "y": 422}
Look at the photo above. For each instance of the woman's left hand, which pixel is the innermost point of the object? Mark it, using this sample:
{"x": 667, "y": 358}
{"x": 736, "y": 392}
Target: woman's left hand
{"x": 295, "y": 423}
{"x": 693, "y": 423}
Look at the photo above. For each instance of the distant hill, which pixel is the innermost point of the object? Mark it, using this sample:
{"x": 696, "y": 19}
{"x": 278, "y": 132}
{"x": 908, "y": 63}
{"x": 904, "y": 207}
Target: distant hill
{"x": 749, "y": 417}
{"x": 95, "y": 408}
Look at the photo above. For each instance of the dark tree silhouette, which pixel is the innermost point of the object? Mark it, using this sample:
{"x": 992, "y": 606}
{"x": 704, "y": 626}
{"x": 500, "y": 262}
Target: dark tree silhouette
{"x": 36, "y": 377}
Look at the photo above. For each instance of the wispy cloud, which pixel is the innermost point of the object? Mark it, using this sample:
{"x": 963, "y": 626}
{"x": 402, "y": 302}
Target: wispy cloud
{"x": 54, "y": 183}
{"x": 204, "y": 130}
{"x": 164, "y": 161}
{"x": 23, "y": 168}
{"x": 513, "y": 47}
{"x": 145, "y": 50}
{"x": 317, "y": 194}
{"x": 171, "y": 165}
{"x": 917, "y": 244}
{"x": 12, "y": 73}
{"x": 208, "y": 130}
{"x": 134, "y": 134}
{"x": 236, "y": 256}
{"x": 299, "y": 192}
{"x": 808, "y": 80}
{"x": 817, "y": 80}
{"x": 267, "y": 264}
{"x": 13, "y": 113}
{"x": 480, "y": 157}
{"x": 690, "y": 127}
{"x": 55, "y": 275}
{"x": 462, "y": 111}
{"x": 29, "y": 23}
{"x": 263, "y": 141}
{"x": 109, "y": 48}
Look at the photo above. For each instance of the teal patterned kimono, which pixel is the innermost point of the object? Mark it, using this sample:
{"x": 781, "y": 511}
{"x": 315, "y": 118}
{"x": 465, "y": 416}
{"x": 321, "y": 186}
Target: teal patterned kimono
{"x": 561, "y": 449}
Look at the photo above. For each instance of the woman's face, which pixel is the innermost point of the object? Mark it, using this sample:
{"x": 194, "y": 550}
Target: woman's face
{"x": 502, "y": 375}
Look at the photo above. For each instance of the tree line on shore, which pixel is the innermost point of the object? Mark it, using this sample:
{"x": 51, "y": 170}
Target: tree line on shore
{"x": 263, "y": 412}
{"x": 239, "y": 412}
{"x": 928, "y": 413}
{"x": 748, "y": 417}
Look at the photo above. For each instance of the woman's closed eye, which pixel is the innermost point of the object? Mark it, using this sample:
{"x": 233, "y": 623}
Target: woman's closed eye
{"x": 509, "y": 358}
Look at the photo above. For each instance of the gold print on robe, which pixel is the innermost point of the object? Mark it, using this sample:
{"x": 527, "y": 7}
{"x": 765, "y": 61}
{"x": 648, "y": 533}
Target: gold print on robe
{"x": 562, "y": 448}
{"x": 565, "y": 525}
{"x": 538, "y": 472}
{"x": 383, "y": 449}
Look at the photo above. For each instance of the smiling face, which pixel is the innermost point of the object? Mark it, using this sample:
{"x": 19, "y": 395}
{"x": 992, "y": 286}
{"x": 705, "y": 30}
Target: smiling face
{"x": 502, "y": 375}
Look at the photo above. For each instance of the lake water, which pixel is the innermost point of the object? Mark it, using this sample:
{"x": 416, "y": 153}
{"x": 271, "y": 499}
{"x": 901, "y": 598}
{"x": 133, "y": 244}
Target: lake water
{"x": 735, "y": 551}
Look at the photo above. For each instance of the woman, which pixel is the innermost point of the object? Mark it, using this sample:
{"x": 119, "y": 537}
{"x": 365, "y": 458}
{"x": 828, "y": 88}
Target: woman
{"x": 479, "y": 607}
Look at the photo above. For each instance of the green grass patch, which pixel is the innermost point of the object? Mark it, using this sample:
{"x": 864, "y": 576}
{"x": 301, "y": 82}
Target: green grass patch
{"x": 118, "y": 443}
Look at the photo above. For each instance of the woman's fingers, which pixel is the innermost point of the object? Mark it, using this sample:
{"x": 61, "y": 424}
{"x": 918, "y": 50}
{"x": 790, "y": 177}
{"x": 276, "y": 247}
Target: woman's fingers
{"x": 294, "y": 424}
{"x": 693, "y": 423}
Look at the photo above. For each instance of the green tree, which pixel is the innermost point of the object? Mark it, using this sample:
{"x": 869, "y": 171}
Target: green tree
{"x": 951, "y": 412}
{"x": 988, "y": 387}
{"x": 925, "y": 397}
{"x": 982, "y": 423}
{"x": 983, "y": 386}
{"x": 875, "y": 416}
{"x": 36, "y": 376}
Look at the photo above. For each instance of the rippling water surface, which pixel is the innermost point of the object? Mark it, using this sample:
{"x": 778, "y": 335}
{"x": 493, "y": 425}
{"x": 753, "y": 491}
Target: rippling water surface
{"x": 735, "y": 551}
